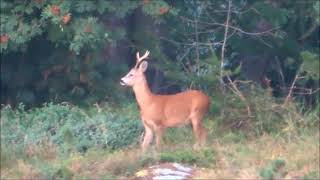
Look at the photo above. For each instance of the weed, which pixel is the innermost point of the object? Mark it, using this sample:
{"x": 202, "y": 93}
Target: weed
{"x": 205, "y": 157}
{"x": 311, "y": 175}
{"x": 147, "y": 160}
{"x": 179, "y": 135}
{"x": 273, "y": 170}
{"x": 62, "y": 173}
{"x": 235, "y": 137}
{"x": 269, "y": 115}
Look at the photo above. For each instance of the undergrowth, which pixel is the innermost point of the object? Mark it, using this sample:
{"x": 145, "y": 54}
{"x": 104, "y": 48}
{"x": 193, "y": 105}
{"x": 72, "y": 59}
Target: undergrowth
{"x": 63, "y": 141}
{"x": 62, "y": 129}
{"x": 205, "y": 157}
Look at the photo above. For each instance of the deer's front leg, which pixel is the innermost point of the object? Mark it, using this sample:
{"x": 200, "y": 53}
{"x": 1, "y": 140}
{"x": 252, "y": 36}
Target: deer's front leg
{"x": 148, "y": 135}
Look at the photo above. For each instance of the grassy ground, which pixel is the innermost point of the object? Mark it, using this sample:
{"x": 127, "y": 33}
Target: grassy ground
{"x": 227, "y": 155}
{"x": 279, "y": 142}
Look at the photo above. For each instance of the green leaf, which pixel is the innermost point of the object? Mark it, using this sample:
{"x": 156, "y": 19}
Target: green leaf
{"x": 103, "y": 6}
{"x": 275, "y": 15}
{"x": 316, "y": 8}
{"x": 153, "y": 7}
{"x": 28, "y": 10}
{"x": 311, "y": 64}
{"x": 122, "y": 8}
{"x": 85, "y": 6}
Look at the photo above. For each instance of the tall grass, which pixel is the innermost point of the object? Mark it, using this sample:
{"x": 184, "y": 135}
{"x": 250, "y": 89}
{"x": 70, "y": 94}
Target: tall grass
{"x": 65, "y": 141}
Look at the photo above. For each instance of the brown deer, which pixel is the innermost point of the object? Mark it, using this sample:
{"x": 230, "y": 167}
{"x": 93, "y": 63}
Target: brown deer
{"x": 159, "y": 112}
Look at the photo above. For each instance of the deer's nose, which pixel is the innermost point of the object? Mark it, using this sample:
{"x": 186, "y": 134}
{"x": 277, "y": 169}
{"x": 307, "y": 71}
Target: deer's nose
{"x": 122, "y": 82}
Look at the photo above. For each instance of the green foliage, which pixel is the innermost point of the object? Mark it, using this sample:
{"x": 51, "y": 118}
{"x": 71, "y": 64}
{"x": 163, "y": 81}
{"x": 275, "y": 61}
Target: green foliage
{"x": 311, "y": 175}
{"x": 122, "y": 8}
{"x": 147, "y": 160}
{"x": 65, "y": 45}
{"x": 311, "y": 64}
{"x": 71, "y": 51}
{"x": 155, "y": 8}
{"x": 78, "y": 35}
{"x": 273, "y": 170}
{"x": 205, "y": 157}
{"x": 268, "y": 114}
{"x": 276, "y": 16}
{"x": 68, "y": 127}
{"x": 62, "y": 173}
{"x": 79, "y": 21}
{"x": 88, "y": 33}
{"x": 235, "y": 137}
{"x": 122, "y": 131}
{"x": 79, "y": 27}
{"x": 183, "y": 156}
{"x": 316, "y": 11}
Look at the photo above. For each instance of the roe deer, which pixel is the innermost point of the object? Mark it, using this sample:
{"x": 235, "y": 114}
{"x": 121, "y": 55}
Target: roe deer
{"x": 159, "y": 112}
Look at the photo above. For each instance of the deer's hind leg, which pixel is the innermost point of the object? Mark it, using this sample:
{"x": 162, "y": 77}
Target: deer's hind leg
{"x": 199, "y": 131}
{"x": 159, "y": 132}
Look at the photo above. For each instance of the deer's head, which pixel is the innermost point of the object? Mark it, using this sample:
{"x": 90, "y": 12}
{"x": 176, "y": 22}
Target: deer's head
{"x": 136, "y": 74}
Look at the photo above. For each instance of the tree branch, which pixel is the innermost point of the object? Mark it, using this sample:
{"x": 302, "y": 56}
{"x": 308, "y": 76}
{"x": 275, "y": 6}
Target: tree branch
{"x": 233, "y": 27}
{"x": 310, "y": 31}
{"x": 224, "y": 45}
{"x": 288, "y": 98}
{"x": 197, "y": 40}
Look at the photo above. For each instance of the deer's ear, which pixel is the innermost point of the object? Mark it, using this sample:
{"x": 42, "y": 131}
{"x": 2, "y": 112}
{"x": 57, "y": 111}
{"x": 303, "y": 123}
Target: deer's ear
{"x": 143, "y": 66}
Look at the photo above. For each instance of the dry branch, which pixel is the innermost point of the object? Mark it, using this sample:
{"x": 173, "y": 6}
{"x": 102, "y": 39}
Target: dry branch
{"x": 234, "y": 87}
{"x": 224, "y": 45}
{"x": 289, "y": 96}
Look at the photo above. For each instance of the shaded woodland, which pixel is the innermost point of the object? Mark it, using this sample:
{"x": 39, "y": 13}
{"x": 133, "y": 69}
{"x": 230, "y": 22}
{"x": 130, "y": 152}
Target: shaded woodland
{"x": 62, "y": 60}
{"x": 76, "y": 52}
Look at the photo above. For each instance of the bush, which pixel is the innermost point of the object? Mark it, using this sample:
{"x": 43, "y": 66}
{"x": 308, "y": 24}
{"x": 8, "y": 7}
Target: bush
{"x": 122, "y": 132}
{"x": 268, "y": 114}
{"x": 273, "y": 170}
{"x": 68, "y": 127}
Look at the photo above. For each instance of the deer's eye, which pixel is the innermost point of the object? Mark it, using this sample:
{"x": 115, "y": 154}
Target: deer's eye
{"x": 130, "y": 75}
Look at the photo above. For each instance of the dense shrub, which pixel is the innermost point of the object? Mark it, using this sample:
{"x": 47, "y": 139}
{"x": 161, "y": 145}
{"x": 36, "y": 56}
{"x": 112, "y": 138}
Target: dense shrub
{"x": 274, "y": 170}
{"x": 68, "y": 127}
{"x": 268, "y": 114}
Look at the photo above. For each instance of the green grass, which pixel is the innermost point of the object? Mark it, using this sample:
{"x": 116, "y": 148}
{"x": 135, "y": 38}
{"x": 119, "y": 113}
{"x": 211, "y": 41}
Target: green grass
{"x": 250, "y": 158}
{"x": 273, "y": 170}
{"x": 204, "y": 157}
{"x": 66, "y": 142}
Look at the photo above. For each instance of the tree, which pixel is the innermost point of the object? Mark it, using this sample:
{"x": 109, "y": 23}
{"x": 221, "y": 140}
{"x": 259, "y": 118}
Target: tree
{"x": 263, "y": 43}
{"x": 58, "y": 47}
{"x": 65, "y": 50}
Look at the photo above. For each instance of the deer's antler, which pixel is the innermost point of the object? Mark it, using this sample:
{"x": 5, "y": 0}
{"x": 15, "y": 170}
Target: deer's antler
{"x": 139, "y": 59}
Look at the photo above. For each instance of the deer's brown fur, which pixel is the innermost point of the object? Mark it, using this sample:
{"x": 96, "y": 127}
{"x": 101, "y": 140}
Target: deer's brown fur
{"x": 159, "y": 112}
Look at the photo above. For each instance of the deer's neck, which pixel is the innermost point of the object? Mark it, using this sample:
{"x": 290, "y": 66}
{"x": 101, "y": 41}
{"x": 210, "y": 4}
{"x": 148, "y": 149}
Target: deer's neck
{"x": 143, "y": 93}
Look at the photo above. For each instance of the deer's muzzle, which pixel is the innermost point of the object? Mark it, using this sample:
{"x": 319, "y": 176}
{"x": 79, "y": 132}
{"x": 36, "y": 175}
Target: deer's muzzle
{"x": 122, "y": 83}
